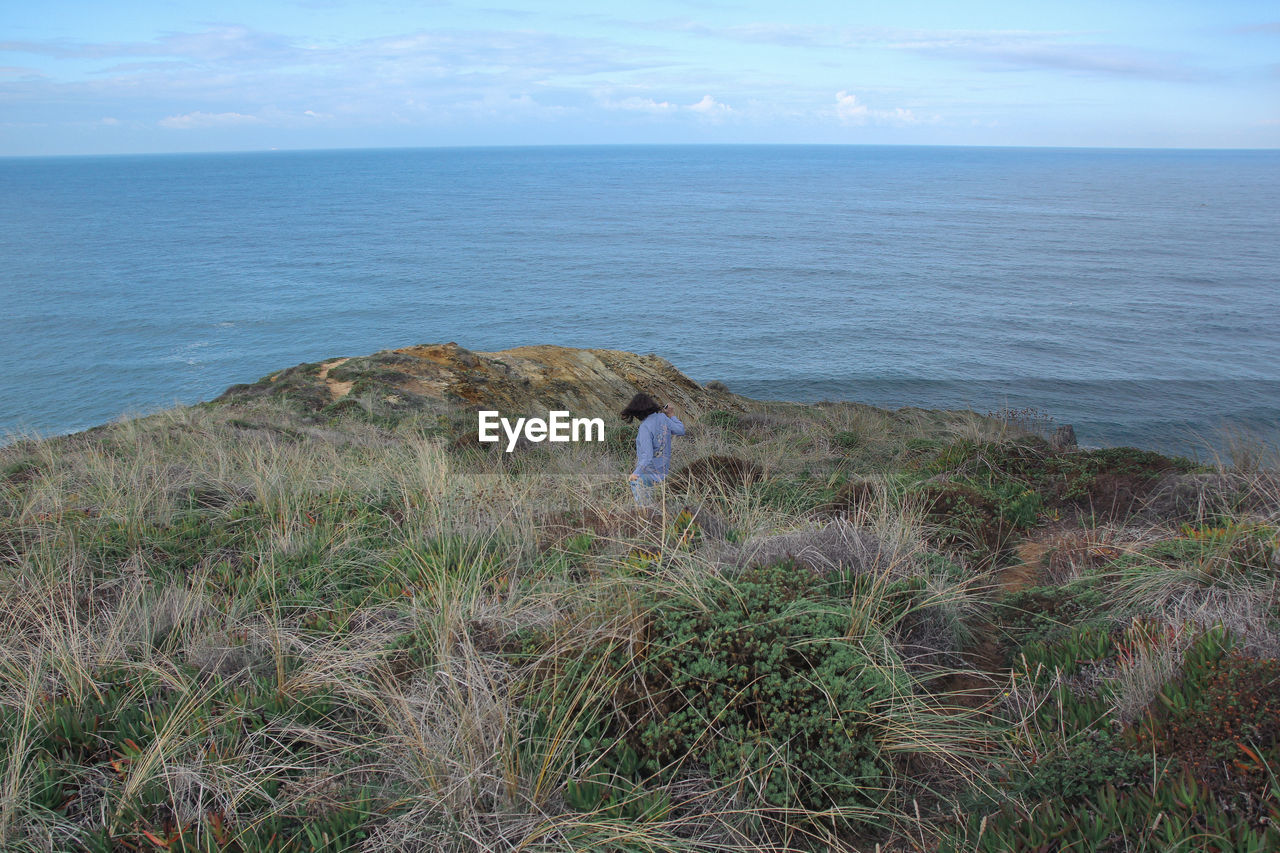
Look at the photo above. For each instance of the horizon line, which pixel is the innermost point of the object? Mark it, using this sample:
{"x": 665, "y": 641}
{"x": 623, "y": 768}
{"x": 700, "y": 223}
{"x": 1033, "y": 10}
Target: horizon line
{"x": 585, "y": 145}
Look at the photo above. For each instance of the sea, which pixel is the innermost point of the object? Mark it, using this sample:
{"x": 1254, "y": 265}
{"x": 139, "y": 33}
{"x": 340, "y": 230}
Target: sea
{"x": 1134, "y": 294}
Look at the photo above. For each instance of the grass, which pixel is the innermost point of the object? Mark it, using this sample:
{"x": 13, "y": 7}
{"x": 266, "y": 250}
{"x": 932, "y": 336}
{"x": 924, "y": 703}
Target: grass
{"x": 243, "y": 628}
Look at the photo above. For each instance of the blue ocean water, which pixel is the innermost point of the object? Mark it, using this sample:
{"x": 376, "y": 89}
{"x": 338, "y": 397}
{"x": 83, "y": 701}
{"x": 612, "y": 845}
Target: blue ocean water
{"x": 1134, "y": 294}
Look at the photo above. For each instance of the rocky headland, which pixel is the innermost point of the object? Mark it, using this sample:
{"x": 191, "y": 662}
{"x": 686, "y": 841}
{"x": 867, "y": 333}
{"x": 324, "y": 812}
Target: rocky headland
{"x": 588, "y": 382}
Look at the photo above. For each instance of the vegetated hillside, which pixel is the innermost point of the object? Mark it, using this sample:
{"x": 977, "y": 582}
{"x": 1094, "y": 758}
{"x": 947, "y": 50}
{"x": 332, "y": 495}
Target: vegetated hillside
{"x": 273, "y": 623}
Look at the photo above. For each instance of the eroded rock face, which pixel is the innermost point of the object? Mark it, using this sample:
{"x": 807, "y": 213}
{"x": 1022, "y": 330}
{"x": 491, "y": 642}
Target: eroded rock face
{"x": 523, "y": 380}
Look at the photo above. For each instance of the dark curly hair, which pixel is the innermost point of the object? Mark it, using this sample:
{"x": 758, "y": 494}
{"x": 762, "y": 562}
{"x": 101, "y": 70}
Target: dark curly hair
{"x": 640, "y": 407}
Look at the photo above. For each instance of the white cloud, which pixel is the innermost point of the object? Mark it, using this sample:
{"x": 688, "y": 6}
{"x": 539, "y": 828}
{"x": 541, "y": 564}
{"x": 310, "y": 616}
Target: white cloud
{"x": 642, "y": 105}
{"x": 709, "y": 106}
{"x": 990, "y": 50}
{"x": 901, "y": 116}
{"x": 852, "y": 111}
{"x": 199, "y": 119}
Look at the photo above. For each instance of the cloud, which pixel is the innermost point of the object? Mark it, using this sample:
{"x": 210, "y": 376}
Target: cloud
{"x": 504, "y": 106}
{"x": 212, "y": 45}
{"x": 199, "y": 119}
{"x": 852, "y": 111}
{"x": 1034, "y": 54}
{"x": 427, "y": 77}
{"x": 641, "y": 105}
{"x": 991, "y": 50}
{"x": 238, "y": 50}
{"x": 709, "y": 106}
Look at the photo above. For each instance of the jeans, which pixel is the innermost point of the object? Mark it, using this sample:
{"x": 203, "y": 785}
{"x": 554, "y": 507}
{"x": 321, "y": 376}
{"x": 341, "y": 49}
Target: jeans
{"x": 642, "y": 489}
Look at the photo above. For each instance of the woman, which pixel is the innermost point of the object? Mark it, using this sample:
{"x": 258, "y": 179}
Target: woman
{"x": 653, "y": 444}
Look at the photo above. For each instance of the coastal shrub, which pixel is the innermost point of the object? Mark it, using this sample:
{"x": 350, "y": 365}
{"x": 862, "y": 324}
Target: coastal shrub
{"x": 759, "y": 681}
{"x": 854, "y": 497}
{"x": 1195, "y": 772}
{"x": 984, "y": 517}
{"x": 1176, "y": 815}
{"x": 763, "y": 682}
{"x": 296, "y": 387}
{"x": 274, "y": 432}
{"x": 1111, "y": 482}
{"x": 215, "y": 495}
{"x": 964, "y": 518}
{"x": 720, "y": 418}
{"x": 121, "y": 761}
{"x": 1112, "y": 486}
{"x": 802, "y": 494}
{"x": 1209, "y": 575}
{"x": 1220, "y": 549}
{"x": 20, "y": 471}
{"x": 573, "y": 728}
{"x": 1221, "y": 721}
{"x": 1092, "y": 760}
{"x": 1046, "y": 614}
{"x": 607, "y": 780}
{"x": 1107, "y": 483}
{"x": 848, "y": 439}
{"x": 1017, "y": 505}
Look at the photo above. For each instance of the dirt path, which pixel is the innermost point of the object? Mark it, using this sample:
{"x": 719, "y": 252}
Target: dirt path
{"x": 975, "y": 688}
{"x": 1028, "y": 571}
{"x": 336, "y": 388}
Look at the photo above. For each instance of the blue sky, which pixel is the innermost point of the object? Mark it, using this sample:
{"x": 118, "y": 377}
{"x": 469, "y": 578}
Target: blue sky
{"x": 145, "y": 76}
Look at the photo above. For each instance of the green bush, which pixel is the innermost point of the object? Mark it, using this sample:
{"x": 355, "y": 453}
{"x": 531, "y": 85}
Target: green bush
{"x": 847, "y": 439}
{"x": 1094, "y": 760}
{"x": 763, "y": 681}
{"x": 1047, "y": 614}
{"x": 720, "y": 418}
{"x": 759, "y": 680}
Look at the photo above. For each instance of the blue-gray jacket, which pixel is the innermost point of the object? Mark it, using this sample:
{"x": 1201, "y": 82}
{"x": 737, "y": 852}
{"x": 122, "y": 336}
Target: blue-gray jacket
{"x": 653, "y": 446}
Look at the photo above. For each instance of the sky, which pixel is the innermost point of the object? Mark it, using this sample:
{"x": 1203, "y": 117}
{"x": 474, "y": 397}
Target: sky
{"x": 142, "y": 76}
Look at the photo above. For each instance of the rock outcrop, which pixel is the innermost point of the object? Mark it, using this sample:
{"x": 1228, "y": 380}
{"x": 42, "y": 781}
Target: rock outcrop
{"x": 586, "y": 382}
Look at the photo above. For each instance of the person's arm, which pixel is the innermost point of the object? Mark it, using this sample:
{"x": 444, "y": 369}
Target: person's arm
{"x": 677, "y": 428}
{"x": 644, "y": 449}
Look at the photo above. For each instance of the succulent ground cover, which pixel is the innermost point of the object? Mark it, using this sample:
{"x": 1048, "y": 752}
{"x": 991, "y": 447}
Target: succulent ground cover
{"x": 270, "y": 625}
